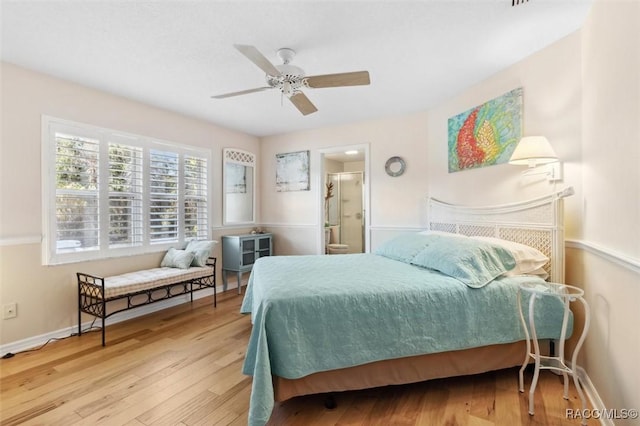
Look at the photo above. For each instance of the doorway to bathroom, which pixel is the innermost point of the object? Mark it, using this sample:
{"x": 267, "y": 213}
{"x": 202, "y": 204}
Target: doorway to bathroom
{"x": 345, "y": 199}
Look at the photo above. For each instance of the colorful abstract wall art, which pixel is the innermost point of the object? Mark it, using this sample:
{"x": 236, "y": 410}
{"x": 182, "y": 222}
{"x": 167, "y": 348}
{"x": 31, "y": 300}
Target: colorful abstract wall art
{"x": 487, "y": 134}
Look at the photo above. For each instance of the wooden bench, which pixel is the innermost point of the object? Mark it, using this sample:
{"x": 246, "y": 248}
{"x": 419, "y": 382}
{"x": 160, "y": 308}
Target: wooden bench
{"x": 139, "y": 288}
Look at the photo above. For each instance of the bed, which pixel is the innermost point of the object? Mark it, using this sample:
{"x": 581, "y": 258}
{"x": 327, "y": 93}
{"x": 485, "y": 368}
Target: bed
{"x": 408, "y": 312}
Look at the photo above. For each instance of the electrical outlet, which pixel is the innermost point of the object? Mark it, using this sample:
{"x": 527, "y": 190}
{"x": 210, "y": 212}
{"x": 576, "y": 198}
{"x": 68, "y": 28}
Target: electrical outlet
{"x": 10, "y": 310}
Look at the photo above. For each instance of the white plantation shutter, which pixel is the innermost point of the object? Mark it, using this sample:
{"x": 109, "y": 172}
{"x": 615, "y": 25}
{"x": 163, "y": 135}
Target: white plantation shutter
{"x": 163, "y": 194}
{"x": 110, "y": 194}
{"x": 126, "y": 221}
{"x": 195, "y": 198}
{"x": 77, "y": 197}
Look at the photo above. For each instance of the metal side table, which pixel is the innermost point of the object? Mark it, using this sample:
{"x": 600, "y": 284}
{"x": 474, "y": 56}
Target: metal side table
{"x": 566, "y": 294}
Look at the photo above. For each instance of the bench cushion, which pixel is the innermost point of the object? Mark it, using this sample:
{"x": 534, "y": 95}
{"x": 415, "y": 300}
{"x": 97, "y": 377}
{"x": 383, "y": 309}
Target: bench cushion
{"x": 132, "y": 282}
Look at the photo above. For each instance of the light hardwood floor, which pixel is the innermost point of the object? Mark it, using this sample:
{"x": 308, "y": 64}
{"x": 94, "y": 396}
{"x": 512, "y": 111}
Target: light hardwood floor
{"x": 182, "y": 366}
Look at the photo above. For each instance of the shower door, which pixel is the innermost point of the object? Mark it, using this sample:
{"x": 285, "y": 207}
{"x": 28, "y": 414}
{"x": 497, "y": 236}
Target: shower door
{"x": 346, "y": 209}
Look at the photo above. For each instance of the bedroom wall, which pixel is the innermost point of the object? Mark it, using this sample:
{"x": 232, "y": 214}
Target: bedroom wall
{"x": 294, "y": 217}
{"x": 46, "y": 295}
{"x": 552, "y": 97}
{"x": 606, "y": 260}
{"x": 552, "y": 87}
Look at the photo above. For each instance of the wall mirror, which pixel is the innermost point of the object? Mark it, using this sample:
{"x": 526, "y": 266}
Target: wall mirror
{"x": 395, "y": 166}
{"x": 238, "y": 179}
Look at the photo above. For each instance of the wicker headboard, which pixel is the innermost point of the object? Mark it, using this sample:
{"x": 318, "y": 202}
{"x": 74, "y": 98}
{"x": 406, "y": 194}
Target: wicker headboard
{"x": 538, "y": 223}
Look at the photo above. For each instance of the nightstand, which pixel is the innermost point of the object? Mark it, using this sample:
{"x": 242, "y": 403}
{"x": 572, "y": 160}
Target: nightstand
{"x": 240, "y": 252}
{"x": 565, "y": 294}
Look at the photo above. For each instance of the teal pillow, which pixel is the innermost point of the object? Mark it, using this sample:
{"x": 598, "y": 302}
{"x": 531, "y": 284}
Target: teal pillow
{"x": 403, "y": 247}
{"x": 473, "y": 262}
{"x": 202, "y": 250}
{"x": 177, "y": 259}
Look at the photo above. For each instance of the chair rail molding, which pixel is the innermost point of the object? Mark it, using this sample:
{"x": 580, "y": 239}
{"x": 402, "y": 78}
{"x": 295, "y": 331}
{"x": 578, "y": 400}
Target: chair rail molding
{"x": 20, "y": 240}
{"x": 605, "y": 253}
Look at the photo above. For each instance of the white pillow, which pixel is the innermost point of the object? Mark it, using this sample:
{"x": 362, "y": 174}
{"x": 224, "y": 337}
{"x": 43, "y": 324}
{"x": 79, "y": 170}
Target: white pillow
{"x": 177, "y": 259}
{"x": 201, "y": 249}
{"x": 540, "y": 272}
{"x": 529, "y": 261}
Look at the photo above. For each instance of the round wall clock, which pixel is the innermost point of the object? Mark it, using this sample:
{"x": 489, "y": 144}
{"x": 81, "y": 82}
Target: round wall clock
{"x": 395, "y": 166}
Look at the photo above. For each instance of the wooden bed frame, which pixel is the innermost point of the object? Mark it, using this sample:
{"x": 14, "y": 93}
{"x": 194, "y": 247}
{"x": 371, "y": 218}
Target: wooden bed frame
{"x": 538, "y": 223}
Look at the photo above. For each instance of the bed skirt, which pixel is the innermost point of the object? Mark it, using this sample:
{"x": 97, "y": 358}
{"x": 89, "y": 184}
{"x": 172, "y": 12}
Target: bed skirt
{"x": 404, "y": 370}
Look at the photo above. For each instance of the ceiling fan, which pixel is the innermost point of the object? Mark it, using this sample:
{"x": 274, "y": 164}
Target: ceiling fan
{"x": 290, "y": 79}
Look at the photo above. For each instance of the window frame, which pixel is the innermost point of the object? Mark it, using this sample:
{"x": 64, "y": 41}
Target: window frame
{"x": 51, "y": 126}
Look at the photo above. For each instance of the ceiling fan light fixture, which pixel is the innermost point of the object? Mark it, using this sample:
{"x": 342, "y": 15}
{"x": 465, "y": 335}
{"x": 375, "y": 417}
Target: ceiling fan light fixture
{"x": 289, "y": 70}
{"x": 286, "y": 84}
{"x": 286, "y": 89}
{"x": 290, "y": 79}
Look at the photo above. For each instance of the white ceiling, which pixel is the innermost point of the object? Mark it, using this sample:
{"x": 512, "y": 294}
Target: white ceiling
{"x": 176, "y": 54}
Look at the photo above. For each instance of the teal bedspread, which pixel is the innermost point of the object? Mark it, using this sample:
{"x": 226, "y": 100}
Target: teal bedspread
{"x": 318, "y": 313}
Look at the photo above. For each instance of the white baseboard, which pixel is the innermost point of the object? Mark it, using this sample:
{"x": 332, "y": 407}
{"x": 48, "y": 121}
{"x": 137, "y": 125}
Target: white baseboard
{"x": 593, "y": 396}
{"x": 35, "y": 341}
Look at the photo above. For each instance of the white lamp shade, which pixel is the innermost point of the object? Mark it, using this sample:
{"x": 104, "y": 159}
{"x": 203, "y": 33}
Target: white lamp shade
{"x": 533, "y": 150}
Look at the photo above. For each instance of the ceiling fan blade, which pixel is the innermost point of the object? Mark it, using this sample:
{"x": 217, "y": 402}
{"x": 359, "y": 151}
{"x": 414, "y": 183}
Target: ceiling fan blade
{"x": 357, "y": 78}
{"x": 303, "y": 103}
{"x": 242, "y": 92}
{"x": 257, "y": 58}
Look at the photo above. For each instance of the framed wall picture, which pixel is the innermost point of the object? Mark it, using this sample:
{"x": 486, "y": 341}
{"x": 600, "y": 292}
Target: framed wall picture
{"x": 487, "y": 134}
{"x": 292, "y": 171}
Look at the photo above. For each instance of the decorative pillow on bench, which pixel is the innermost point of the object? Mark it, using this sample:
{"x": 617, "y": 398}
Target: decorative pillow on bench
{"x": 202, "y": 250}
{"x": 177, "y": 259}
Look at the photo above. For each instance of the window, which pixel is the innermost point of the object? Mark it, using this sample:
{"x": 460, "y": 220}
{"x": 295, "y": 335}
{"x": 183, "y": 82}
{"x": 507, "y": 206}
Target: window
{"x": 195, "y": 196}
{"x": 125, "y": 196}
{"x": 109, "y": 194}
{"x": 163, "y": 192}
